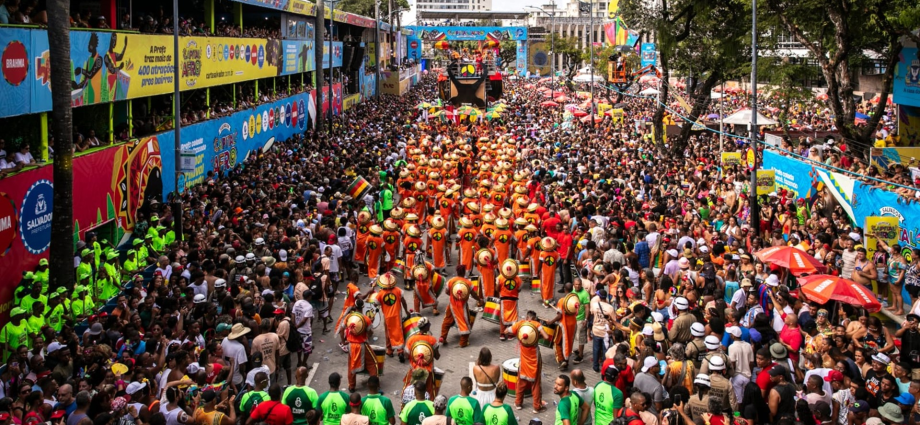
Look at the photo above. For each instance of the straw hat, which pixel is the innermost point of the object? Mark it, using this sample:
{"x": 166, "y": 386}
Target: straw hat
{"x": 501, "y": 223}
{"x": 355, "y": 322}
{"x": 470, "y": 193}
{"x": 532, "y": 207}
{"x": 376, "y": 230}
{"x": 442, "y": 188}
{"x": 473, "y": 206}
{"x": 528, "y": 334}
{"x": 466, "y": 222}
{"x": 404, "y": 174}
{"x": 487, "y": 208}
{"x": 364, "y": 217}
{"x": 438, "y": 222}
{"x": 520, "y": 189}
{"x": 409, "y": 202}
{"x": 412, "y": 217}
{"x": 422, "y": 353}
{"x": 386, "y": 280}
{"x": 489, "y": 218}
{"x": 531, "y": 228}
{"x": 485, "y": 183}
{"x": 509, "y": 268}
{"x": 237, "y": 331}
{"x": 460, "y": 291}
{"x": 570, "y": 304}
{"x": 520, "y": 221}
{"x": 390, "y": 225}
{"x": 484, "y": 257}
{"x": 420, "y": 272}
{"x": 548, "y": 243}
{"x": 505, "y": 213}
{"x": 413, "y": 231}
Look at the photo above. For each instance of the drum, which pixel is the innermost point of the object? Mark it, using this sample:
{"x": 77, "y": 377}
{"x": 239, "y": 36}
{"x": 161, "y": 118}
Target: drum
{"x": 535, "y": 285}
{"x": 438, "y": 378}
{"x": 472, "y": 314}
{"x": 510, "y": 376}
{"x": 372, "y": 311}
{"x": 399, "y": 268}
{"x": 437, "y": 284}
{"x": 492, "y": 312}
{"x": 358, "y": 188}
{"x": 551, "y": 332}
{"x": 380, "y": 354}
{"x": 410, "y": 325}
{"x": 476, "y": 280}
{"x": 524, "y": 271}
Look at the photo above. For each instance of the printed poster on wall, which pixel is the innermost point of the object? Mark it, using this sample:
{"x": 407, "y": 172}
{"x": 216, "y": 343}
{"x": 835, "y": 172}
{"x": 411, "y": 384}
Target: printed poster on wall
{"x": 766, "y": 182}
{"x": 731, "y": 158}
{"x": 884, "y": 228}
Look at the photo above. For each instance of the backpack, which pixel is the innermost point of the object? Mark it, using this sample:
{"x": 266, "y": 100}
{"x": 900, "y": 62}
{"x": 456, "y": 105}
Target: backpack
{"x": 622, "y": 419}
{"x": 294, "y": 341}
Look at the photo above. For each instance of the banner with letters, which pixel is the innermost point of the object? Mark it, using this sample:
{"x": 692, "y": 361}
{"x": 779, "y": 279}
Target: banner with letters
{"x": 906, "y": 90}
{"x": 884, "y": 228}
{"x": 432, "y": 34}
{"x": 766, "y": 182}
{"x": 298, "y": 56}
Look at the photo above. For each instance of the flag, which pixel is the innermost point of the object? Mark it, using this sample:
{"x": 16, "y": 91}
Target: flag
{"x": 584, "y": 7}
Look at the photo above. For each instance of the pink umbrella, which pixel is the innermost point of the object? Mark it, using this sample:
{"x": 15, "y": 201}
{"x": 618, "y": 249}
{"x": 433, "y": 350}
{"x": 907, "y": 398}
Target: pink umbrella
{"x": 549, "y": 104}
{"x": 528, "y": 86}
{"x": 561, "y": 98}
{"x": 571, "y": 107}
{"x": 579, "y": 113}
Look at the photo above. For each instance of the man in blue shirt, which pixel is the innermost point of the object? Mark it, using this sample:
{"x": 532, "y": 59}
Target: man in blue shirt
{"x": 643, "y": 251}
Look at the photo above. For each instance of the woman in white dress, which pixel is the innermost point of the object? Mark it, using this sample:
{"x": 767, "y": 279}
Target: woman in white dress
{"x": 487, "y": 376}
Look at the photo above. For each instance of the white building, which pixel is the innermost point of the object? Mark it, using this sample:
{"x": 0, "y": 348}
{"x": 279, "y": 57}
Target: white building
{"x": 453, "y": 5}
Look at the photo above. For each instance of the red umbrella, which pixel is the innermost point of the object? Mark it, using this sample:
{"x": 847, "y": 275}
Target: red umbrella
{"x": 528, "y": 86}
{"x": 549, "y": 104}
{"x": 822, "y": 96}
{"x": 797, "y": 261}
{"x": 823, "y": 288}
{"x": 579, "y": 113}
{"x": 561, "y": 99}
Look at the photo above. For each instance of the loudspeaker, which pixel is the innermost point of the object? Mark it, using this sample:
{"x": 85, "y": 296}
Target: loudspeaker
{"x": 357, "y": 59}
{"x": 347, "y": 51}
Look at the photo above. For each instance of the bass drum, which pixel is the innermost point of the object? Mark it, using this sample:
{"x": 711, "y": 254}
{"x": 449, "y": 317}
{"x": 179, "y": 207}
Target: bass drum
{"x": 372, "y": 311}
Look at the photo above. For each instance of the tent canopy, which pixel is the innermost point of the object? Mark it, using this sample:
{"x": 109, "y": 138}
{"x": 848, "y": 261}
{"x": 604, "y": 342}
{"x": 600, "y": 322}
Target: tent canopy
{"x": 743, "y": 117}
{"x": 649, "y": 92}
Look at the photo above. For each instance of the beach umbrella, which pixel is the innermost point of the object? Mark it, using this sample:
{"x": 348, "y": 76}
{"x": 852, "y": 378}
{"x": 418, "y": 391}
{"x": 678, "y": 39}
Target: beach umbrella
{"x": 528, "y": 86}
{"x": 579, "y": 113}
{"x": 549, "y": 104}
{"x": 465, "y": 110}
{"x": 570, "y": 107}
{"x": 822, "y": 96}
{"x": 822, "y": 288}
{"x": 492, "y": 115}
{"x": 423, "y": 105}
{"x": 561, "y": 99}
{"x": 797, "y": 261}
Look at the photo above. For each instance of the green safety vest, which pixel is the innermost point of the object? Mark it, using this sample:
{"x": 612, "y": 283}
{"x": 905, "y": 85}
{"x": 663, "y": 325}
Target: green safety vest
{"x": 16, "y": 336}
{"x": 607, "y": 400}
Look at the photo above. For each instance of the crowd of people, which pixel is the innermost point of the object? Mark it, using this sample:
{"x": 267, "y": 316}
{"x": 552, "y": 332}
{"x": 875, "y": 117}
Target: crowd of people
{"x": 643, "y": 264}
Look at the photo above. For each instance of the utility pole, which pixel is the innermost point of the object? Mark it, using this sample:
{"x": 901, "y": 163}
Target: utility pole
{"x": 377, "y": 49}
{"x": 755, "y": 208}
{"x": 593, "y": 124}
{"x": 318, "y": 59}
{"x": 177, "y": 125}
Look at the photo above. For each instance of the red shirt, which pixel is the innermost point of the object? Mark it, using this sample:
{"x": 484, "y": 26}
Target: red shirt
{"x": 763, "y": 379}
{"x": 549, "y": 226}
{"x": 626, "y": 377}
{"x": 272, "y": 413}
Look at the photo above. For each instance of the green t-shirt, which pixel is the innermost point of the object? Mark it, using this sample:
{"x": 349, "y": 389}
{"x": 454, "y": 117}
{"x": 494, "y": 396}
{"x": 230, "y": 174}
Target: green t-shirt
{"x": 252, "y": 399}
{"x": 378, "y": 409}
{"x": 28, "y": 300}
{"x": 56, "y": 317}
{"x": 16, "y": 336}
{"x": 36, "y": 323}
{"x": 414, "y": 412}
{"x": 386, "y": 197}
{"x": 501, "y": 415}
{"x": 607, "y": 400}
{"x": 464, "y": 410}
{"x": 300, "y": 400}
{"x": 583, "y": 300}
{"x": 334, "y": 404}
{"x": 568, "y": 409}
{"x": 80, "y": 306}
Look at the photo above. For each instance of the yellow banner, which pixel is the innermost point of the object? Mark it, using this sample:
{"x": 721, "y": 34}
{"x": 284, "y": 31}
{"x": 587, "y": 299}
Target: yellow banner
{"x": 884, "y": 228}
{"x": 616, "y": 115}
{"x": 350, "y": 101}
{"x": 766, "y": 182}
{"x": 214, "y": 61}
{"x": 731, "y": 158}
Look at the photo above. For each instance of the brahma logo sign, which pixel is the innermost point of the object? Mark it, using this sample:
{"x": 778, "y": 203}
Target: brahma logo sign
{"x": 15, "y": 64}
{"x": 35, "y": 217}
{"x": 7, "y": 223}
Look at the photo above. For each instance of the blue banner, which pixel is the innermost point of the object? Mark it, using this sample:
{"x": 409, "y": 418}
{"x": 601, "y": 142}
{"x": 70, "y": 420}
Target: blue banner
{"x": 221, "y": 144}
{"x": 336, "y": 54}
{"x": 298, "y": 56}
{"x": 649, "y": 56}
{"x": 466, "y": 33}
{"x": 907, "y": 78}
{"x": 25, "y": 67}
{"x": 521, "y": 59}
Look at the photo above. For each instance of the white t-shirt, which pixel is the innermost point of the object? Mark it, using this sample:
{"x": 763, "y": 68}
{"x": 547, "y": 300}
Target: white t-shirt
{"x": 235, "y": 351}
{"x": 24, "y": 158}
{"x": 251, "y": 376}
{"x": 303, "y": 309}
{"x": 201, "y": 288}
{"x": 336, "y": 254}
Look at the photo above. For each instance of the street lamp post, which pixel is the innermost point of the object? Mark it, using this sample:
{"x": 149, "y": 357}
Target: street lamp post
{"x": 754, "y": 206}
{"x": 377, "y": 49}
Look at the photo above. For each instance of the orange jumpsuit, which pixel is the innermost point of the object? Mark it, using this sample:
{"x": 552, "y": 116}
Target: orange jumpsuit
{"x": 360, "y": 355}
{"x": 488, "y": 229}
{"x": 548, "y": 261}
{"x": 532, "y": 218}
{"x": 350, "y": 291}
{"x": 521, "y": 237}
{"x": 438, "y": 239}
{"x": 467, "y": 244}
{"x": 508, "y": 290}
{"x": 446, "y": 205}
{"x": 417, "y": 364}
{"x": 421, "y": 202}
{"x": 476, "y": 218}
{"x": 530, "y": 371}
{"x": 457, "y": 313}
{"x": 391, "y": 246}
{"x": 498, "y": 199}
{"x": 487, "y": 274}
{"x": 534, "y": 255}
{"x": 391, "y": 307}
{"x": 503, "y": 240}
{"x": 564, "y": 340}
{"x": 411, "y": 244}
{"x": 374, "y": 251}
{"x": 361, "y": 236}
{"x": 424, "y": 296}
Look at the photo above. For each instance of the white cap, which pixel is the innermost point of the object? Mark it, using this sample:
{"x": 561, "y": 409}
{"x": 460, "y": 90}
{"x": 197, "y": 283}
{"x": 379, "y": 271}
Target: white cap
{"x": 649, "y": 363}
{"x": 55, "y": 346}
{"x": 697, "y": 329}
{"x": 772, "y": 280}
{"x": 200, "y": 298}
{"x": 658, "y": 317}
{"x": 855, "y": 236}
{"x": 702, "y": 379}
{"x": 283, "y": 255}
{"x": 681, "y": 303}
{"x": 712, "y": 342}
{"x": 881, "y": 358}
{"x": 193, "y": 368}
{"x": 701, "y": 241}
{"x": 135, "y": 387}
{"x": 220, "y": 283}
{"x": 672, "y": 252}
{"x": 716, "y": 363}
{"x": 647, "y": 330}
{"x": 734, "y": 331}
{"x": 704, "y": 249}
{"x": 260, "y": 241}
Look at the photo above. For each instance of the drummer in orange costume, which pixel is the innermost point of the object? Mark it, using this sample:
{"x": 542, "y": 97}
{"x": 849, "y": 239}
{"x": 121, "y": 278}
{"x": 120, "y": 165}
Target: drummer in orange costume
{"x": 361, "y": 235}
{"x": 460, "y": 290}
{"x": 528, "y": 332}
{"x": 360, "y": 356}
{"x": 437, "y": 239}
{"x": 503, "y": 239}
{"x": 509, "y": 287}
{"x": 423, "y": 350}
{"x": 392, "y": 303}
{"x": 566, "y": 313}
{"x": 412, "y": 242}
{"x": 374, "y": 250}
{"x": 351, "y": 294}
{"x": 421, "y": 198}
{"x": 485, "y": 263}
{"x": 424, "y": 296}
{"x": 548, "y": 260}
{"x": 531, "y": 215}
{"x": 488, "y": 223}
{"x": 391, "y": 239}
{"x": 467, "y": 241}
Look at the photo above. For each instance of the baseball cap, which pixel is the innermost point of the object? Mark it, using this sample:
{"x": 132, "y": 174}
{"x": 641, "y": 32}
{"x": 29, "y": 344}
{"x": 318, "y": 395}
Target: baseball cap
{"x": 223, "y": 327}
{"x": 834, "y": 376}
{"x": 649, "y": 363}
{"x": 906, "y": 399}
{"x": 55, "y": 346}
{"x": 778, "y": 370}
{"x": 860, "y": 406}
{"x": 134, "y": 387}
{"x": 734, "y": 331}
{"x": 611, "y": 372}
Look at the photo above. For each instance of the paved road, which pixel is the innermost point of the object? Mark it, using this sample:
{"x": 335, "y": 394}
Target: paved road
{"x": 455, "y": 361}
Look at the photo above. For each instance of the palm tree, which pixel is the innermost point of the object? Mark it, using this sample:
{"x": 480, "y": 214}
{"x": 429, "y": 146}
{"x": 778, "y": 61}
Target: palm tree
{"x": 62, "y": 240}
